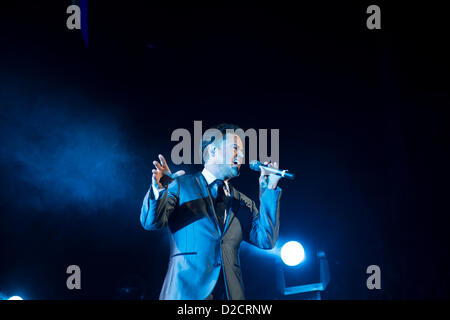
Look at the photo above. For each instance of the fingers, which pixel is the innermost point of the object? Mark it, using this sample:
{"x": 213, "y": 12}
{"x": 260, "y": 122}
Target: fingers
{"x": 163, "y": 162}
{"x": 155, "y": 173}
{"x": 155, "y": 179}
{"x": 161, "y": 173}
{"x": 271, "y": 165}
{"x": 178, "y": 174}
{"x": 263, "y": 171}
{"x": 158, "y": 166}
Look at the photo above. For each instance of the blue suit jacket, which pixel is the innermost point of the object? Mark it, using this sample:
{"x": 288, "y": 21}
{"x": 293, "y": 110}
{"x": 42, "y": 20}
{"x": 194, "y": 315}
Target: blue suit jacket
{"x": 198, "y": 247}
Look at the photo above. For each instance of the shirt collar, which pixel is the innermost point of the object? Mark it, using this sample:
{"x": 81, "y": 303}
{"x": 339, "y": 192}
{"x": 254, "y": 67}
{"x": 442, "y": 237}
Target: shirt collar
{"x": 210, "y": 178}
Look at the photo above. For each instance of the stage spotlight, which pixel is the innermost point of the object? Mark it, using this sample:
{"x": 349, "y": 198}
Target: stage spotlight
{"x": 15, "y": 298}
{"x": 306, "y": 282}
{"x": 292, "y": 253}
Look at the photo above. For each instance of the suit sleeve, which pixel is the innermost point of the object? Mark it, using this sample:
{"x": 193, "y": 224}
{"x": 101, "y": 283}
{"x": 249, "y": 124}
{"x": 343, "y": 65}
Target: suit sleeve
{"x": 265, "y": 222}
{"x": 155, "y": 213}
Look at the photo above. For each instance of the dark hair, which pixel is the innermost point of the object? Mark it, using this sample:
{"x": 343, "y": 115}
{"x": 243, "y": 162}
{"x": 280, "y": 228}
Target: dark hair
{"x": 223, "y": 127}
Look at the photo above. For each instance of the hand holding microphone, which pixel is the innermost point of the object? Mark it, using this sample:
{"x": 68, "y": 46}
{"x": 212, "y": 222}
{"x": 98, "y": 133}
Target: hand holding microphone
{"x": 257, "y": 166}
{"x": 270, "y": 174}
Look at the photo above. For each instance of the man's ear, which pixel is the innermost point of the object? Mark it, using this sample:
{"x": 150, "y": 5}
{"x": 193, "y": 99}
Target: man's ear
{"x": 212, "y": 150}
{"x": 208, "y": 153}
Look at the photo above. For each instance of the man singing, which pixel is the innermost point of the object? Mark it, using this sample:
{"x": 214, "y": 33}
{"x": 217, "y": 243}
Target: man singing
{"x": 208, "y": 218}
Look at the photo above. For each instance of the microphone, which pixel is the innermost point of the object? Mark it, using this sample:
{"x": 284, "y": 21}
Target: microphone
{"x": 256, "y": 165}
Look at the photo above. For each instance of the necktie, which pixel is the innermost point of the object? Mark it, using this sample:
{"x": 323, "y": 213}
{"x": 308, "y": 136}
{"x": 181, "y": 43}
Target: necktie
{"x": 219, "y": 201}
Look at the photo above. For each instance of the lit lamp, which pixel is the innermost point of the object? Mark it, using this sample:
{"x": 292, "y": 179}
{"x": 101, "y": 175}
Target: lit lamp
{"x": 297, "y": 280}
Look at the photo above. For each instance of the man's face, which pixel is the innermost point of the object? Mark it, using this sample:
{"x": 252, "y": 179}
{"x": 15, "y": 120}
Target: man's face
{"x": 229, "y": 155}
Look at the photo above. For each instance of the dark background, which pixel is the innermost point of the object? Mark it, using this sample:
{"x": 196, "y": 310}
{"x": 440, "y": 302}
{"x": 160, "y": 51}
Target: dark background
{"x": 362, "y": 123}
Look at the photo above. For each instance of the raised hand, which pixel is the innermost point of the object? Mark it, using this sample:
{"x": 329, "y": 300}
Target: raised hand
{"x": 161, "y": 175}
{"x": 268, "y": 180}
